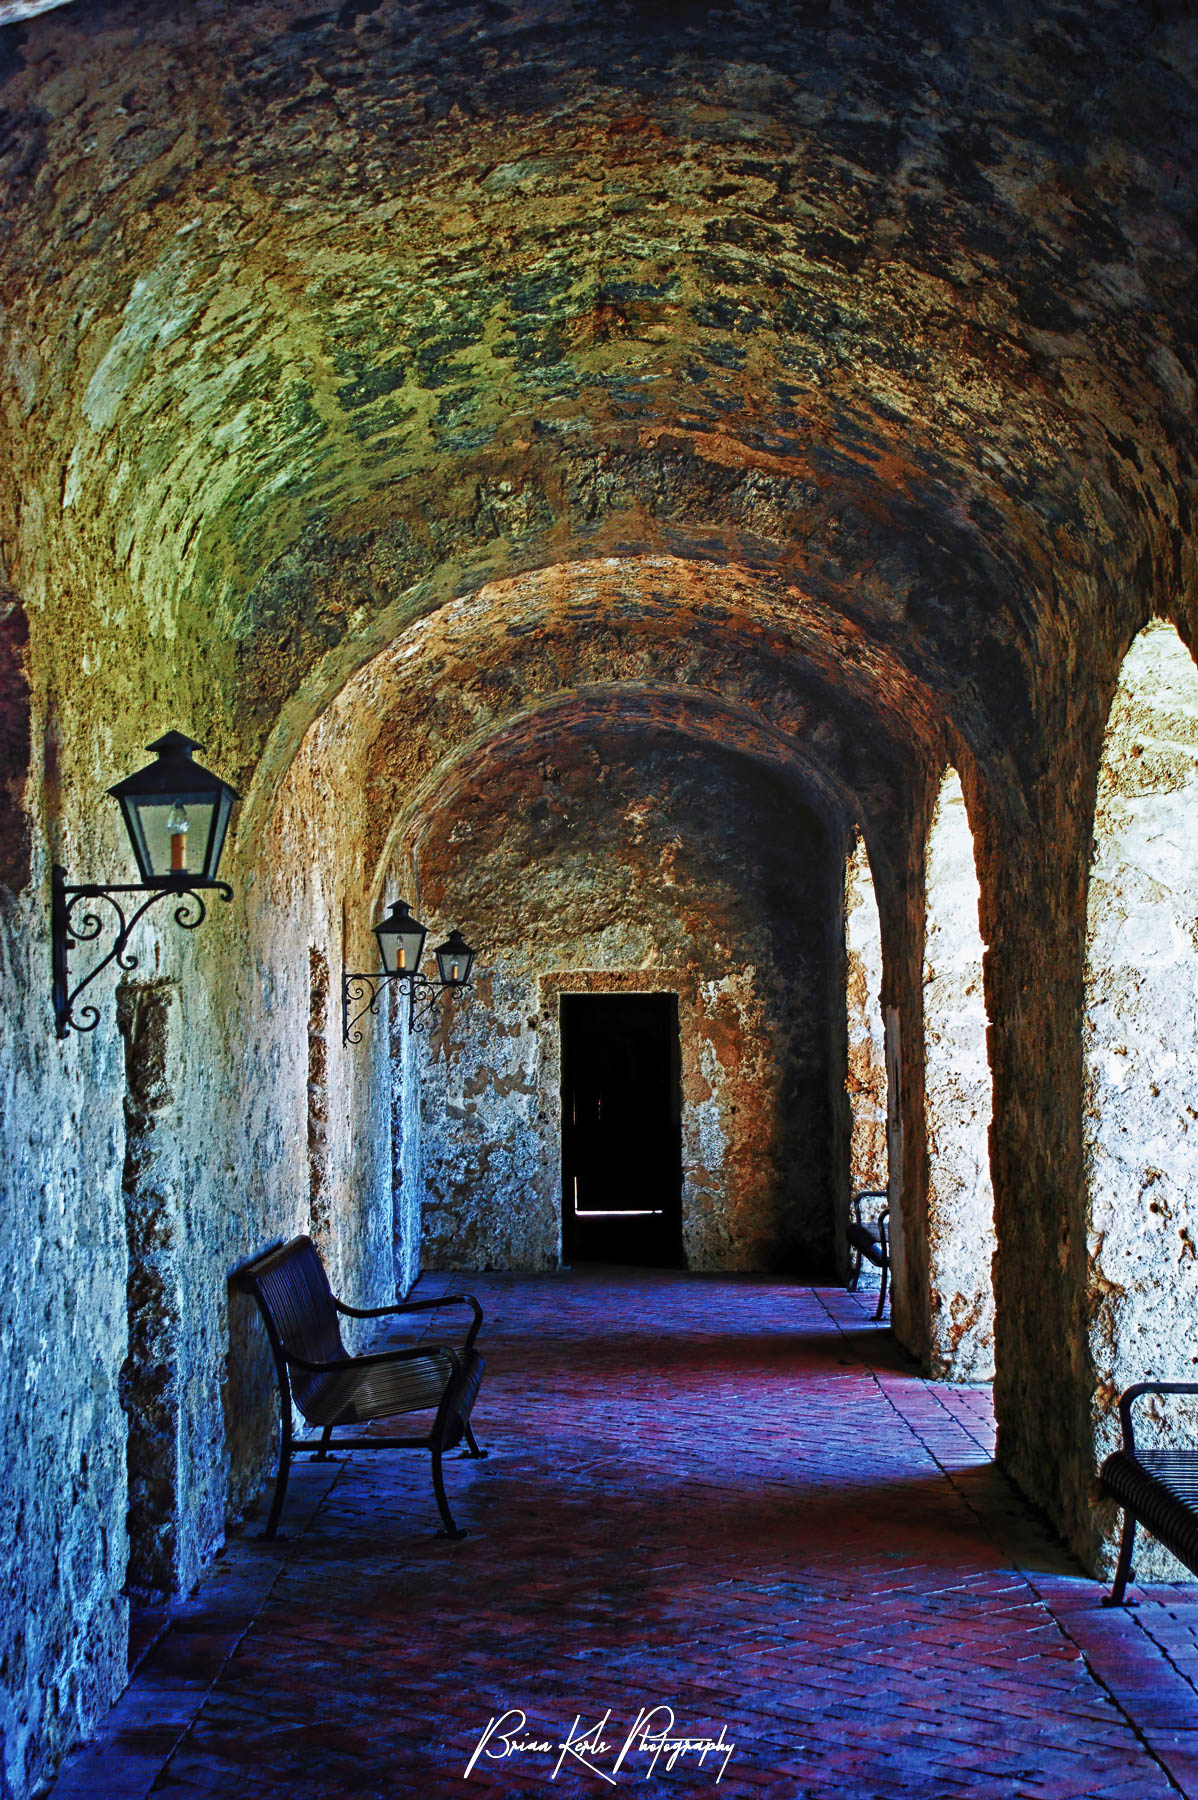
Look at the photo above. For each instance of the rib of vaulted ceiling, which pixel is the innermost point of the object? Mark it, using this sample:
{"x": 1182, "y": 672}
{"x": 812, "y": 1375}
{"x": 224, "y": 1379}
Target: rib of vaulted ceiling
{"x": 317, "y": 321}
{"x": 679, "y": 648}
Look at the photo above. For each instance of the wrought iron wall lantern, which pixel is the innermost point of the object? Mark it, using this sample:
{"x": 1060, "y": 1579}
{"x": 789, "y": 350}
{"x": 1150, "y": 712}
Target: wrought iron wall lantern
{"x": 401, "y": 946}
{"x": 177, "y": 815}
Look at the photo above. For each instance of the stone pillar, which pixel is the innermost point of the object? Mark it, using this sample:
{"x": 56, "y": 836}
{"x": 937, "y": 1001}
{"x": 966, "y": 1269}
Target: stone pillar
{"x": 957, "y": 1102}
{"x": 866, "y": 1040}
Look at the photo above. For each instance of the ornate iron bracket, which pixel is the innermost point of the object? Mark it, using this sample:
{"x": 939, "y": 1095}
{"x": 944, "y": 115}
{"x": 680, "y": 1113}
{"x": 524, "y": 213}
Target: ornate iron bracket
{"x": 353, "y": 987}
{"x": 370, "y": 986}
{"x": 66, "y": 931}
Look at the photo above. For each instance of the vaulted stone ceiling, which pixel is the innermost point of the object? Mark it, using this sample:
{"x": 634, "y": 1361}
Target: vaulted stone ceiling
{"x": 880, "y": 316}
{"x": 659, "y": 642}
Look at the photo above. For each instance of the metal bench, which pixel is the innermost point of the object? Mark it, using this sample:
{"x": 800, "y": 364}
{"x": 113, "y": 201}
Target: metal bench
{"x": 1156, "y": 1488}
{"x": 332, "y": 1388}
{"x": 869, "y": 1238}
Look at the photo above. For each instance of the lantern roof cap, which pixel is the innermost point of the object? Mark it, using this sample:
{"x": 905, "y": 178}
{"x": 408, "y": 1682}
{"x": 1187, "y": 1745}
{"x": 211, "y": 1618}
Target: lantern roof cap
{"x": 399, "y": 908}
{"x": 455, "y": 941}
{"x": 163, "y": 776}
{"x": 174, "y": 743}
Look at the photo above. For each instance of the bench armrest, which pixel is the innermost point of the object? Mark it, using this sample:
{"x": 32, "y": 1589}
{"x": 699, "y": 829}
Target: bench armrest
{"x": 869, "y": 1194}
{"x": 1132, "y": 1394}
{"x": 373, "y": 1359}
{"x": 411, "y": 1306}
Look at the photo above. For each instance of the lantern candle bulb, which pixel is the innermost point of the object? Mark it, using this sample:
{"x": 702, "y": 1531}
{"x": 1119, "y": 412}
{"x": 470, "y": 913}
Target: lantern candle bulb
{"x": 177, "y": 826}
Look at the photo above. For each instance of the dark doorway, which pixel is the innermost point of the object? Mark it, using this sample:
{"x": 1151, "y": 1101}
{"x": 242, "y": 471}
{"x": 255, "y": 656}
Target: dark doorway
{"x": 621, "y": 1129}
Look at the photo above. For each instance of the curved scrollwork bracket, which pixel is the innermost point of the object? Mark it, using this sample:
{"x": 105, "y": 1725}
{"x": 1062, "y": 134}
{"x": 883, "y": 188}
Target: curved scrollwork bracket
{"x": 362, "y": 986}
{"x": 425, "y": 994}
{"x": 354, "y": 989}
{"x": 73, "y": 921}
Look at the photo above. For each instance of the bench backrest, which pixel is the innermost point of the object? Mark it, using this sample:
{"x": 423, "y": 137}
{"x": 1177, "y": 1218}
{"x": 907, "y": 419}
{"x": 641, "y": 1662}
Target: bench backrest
{"x": 293, "y": 1291}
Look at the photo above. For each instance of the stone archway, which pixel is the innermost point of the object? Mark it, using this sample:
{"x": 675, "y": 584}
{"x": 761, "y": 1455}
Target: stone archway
{"x": 872, "y": 440}
{"x": 476, "y": 743}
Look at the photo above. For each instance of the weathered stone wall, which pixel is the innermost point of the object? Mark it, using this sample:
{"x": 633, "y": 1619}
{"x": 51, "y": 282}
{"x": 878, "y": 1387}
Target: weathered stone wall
{"x": 1141, "y": 1050}
{"x": 1032, "y": 871}
{"x": 138, "y": 1174}
{"x": 63, "y": 1342}
{"x": 67, "y": 1228}
{"x": 957, "y": 1099}
{"x": 14, "y": 744}
{"x": 621, "y": 862}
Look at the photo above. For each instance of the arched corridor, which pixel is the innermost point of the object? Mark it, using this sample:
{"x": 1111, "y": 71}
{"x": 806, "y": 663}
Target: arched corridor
{"x": 684, "y": 494}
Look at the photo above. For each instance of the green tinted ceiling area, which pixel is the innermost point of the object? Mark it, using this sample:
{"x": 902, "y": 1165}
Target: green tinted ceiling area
{"x": 317, "y": 318}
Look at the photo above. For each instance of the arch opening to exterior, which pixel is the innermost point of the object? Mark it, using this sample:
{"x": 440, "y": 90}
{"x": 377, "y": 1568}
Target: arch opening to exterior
{"x": 866, "y": 1083}
{"x": 1140, "y": 1121}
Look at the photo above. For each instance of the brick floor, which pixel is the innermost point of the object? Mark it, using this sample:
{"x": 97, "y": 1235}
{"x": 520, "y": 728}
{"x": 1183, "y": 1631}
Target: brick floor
{"x": 729, "y": 1496}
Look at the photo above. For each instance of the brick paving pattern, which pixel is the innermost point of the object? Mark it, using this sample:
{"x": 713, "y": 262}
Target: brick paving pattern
{"x": 729, "y": 1495}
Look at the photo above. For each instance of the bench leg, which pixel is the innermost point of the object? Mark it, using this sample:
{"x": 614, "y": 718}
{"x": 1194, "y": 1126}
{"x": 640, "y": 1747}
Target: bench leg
{"x": 470, "y": 1439}
{"x": 882, "y": 1287}
{"x": 1123, "y": 1569}
{"x": 276, "y": 1505}
{"x": 322, "y": 1454}
{"x": 451, "y": 1530}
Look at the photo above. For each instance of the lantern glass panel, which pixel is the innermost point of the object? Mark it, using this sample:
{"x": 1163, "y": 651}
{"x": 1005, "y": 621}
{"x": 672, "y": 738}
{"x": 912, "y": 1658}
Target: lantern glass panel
{"x": 401, "y": 940}
{"x": 176, "y": 814}
{"x": 172, "y": 834}
{"x": 455, "y": 959}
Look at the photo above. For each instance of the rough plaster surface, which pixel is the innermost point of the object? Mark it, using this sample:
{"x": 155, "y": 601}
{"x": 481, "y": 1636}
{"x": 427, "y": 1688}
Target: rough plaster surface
{"x": 1141, "y": 1045}
{"x": 146, "y": 1169}
{"x": 819, "y": 379}
{"x": 958, "y": 1101}
{"x": 63, "y": 1621}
